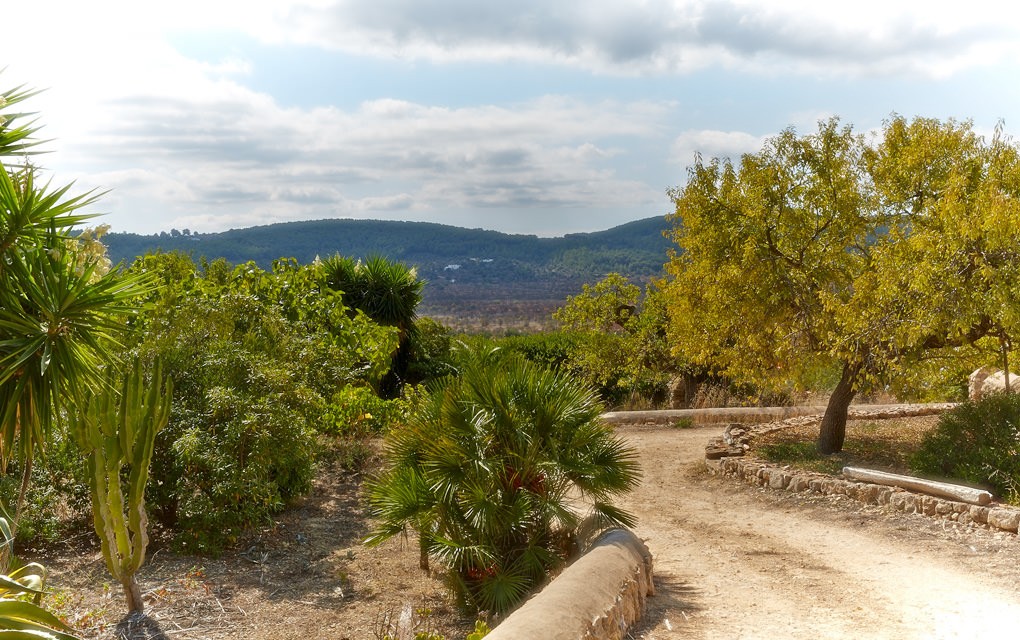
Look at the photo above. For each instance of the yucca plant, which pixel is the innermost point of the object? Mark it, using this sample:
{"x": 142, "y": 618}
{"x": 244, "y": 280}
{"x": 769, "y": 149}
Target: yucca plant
{"x": 498, "y": 473}
{"x": 60, "y": 314}
{"x": 118, "y": 428}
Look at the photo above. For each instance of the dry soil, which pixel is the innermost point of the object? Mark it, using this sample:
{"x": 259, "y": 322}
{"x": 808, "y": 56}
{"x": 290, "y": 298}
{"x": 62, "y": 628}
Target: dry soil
{"x": 731, "y": 562}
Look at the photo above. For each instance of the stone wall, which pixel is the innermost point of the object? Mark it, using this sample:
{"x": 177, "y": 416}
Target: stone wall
{"x": 724, "y": 456}
{"x": 761, "y": 415}
{"x": 598, "y": 597}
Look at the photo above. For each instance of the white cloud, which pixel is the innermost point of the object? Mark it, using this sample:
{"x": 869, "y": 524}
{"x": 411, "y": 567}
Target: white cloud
{"x": 867, "y": 37}
{"x": 230, "y": 150}
{"x": 174, "y": 136}
{"x": 714, "y": 144}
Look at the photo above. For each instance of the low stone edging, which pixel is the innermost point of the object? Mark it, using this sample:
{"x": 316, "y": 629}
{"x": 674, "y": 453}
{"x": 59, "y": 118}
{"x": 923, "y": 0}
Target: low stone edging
{"x": 766, "y": 415}
{"x": 762, "y": 474}
{"x": 597, "y": 597}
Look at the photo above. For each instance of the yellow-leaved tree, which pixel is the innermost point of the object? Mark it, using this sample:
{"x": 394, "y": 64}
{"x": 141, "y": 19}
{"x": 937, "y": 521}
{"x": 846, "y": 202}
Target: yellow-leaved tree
{"x": 835, "y": 247}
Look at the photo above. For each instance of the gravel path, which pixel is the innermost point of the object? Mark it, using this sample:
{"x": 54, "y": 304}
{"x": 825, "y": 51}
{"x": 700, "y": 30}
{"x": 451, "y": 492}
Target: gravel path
{"x": 733, "y": 561}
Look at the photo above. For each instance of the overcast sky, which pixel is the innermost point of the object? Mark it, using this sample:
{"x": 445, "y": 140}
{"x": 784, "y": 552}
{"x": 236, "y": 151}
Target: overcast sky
{"x": 526, "y": 116}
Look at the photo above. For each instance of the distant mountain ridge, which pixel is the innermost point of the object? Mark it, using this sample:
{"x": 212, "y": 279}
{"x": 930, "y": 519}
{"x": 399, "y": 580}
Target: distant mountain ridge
{"x": 464, "y": 268}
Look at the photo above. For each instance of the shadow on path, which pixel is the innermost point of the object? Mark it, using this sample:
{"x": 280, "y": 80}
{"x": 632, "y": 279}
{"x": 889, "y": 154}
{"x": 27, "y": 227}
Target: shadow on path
{"x": 675, "y": 602}
{"x": 138, "y": 626}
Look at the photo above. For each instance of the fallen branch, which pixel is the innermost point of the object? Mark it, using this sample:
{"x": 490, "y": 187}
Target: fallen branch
{"x": 930, "y": 487}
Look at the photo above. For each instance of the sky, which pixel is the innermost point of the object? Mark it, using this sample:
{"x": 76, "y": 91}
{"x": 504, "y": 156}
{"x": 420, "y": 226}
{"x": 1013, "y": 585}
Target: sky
{"x": 541, "y": 117}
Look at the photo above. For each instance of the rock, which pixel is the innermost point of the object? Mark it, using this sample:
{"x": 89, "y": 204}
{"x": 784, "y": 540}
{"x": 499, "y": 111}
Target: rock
{"x": 868, "y": 494}
{"x": 800, "y": 483}
{"x": 979, "y": 514}
{"x": 1005, "y": 519}
{"x": 900, "y": 500}
{"x": 779, "y": 479}
{"x": 718, "y": 449}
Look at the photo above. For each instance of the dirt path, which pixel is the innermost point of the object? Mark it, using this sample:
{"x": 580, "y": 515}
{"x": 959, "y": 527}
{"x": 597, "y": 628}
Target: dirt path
{"x": 734, "y": 562}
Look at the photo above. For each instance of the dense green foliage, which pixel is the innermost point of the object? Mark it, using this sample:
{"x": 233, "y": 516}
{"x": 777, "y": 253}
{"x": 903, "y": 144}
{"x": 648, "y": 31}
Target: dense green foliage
{"x": 387, "y": 292}
{"x": 834, "y": 248}
{"x": 259, "y": 361}
{"x": 550, "y": 349}
{"x": 497, "y": 474}
{"x": 977, "y": 442}
{"x": 620, "y": 339}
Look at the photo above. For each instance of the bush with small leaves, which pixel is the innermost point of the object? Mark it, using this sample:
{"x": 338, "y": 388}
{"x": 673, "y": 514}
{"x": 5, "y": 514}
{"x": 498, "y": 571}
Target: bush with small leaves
{"x": 977, "y": 442}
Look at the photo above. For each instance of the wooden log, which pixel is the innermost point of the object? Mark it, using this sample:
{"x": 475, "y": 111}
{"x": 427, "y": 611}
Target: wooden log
{"x": 930, "y": 487}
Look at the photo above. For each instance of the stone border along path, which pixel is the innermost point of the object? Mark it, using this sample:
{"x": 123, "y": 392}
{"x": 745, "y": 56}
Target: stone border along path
{"x": 597, "y": 597}
{"x": 728, "y": 450}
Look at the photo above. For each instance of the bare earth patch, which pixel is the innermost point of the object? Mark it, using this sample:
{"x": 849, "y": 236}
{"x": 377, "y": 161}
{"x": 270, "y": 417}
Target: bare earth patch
{"x": 307, "y": 576}
{"x": 885, "y": 445}
{"x": 731, "y": 562}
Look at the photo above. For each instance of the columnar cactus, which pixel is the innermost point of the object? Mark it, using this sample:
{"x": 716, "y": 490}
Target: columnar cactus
{"x": 118, "y": 427}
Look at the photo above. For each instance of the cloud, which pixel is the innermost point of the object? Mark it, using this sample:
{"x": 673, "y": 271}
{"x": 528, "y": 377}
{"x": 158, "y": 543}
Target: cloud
{"x": 240, "y": 156}
{"x": 714, "y": 144}
{"x": 660, "y": 36}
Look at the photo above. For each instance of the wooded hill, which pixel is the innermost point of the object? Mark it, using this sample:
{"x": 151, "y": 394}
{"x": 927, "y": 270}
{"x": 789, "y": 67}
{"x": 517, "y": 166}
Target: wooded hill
{"x": 470, "y": 272}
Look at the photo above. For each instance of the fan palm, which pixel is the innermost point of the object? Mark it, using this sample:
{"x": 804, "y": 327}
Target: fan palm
{"x": 500, "y": 474}
{"x": 387, "y": 292}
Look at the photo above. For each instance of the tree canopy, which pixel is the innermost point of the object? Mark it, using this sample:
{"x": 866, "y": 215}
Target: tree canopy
{"x": 840, "y": 248}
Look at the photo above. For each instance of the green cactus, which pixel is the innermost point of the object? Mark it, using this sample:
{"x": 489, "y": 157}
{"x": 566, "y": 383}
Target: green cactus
{"x": 118, "y": 426}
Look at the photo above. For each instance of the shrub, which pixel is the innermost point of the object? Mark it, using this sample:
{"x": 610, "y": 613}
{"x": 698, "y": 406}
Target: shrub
{"x": 497, "y": 473}
{"x": 977, "y": 442}
{"x": 238, "y": 447}
{"x": 260, "y": 362}
{"x": 357, "y": 412}
{"x": 58, "y": 503}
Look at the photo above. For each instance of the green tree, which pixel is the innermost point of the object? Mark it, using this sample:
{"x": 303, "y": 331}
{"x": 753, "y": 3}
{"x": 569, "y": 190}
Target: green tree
{"x": 622, "y": 345}
{"x": 497, "y": 474}
{"x": 833, "y": 248}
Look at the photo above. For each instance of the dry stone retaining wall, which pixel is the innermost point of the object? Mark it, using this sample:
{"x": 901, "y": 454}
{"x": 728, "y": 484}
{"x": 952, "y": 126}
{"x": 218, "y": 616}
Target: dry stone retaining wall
{"x": 724, "y": 457}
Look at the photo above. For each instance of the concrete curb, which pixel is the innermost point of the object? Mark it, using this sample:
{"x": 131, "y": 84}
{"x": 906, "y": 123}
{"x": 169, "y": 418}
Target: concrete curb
{"x": 598, "y": 597}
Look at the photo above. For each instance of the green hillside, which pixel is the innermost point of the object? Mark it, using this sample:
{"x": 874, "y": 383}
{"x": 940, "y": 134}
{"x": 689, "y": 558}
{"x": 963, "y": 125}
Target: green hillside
{"x": 465, "y": 268}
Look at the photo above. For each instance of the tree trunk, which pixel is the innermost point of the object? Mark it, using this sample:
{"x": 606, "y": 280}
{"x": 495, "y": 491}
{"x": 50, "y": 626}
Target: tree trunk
{"x": 134, "y": 596}
{"x": 1004, "y": 347}
{"x": 833, "y": 429}
{"x": 26, "y": 480}
{"x": 423, "y": 555}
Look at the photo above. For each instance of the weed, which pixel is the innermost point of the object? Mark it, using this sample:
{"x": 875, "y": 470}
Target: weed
{"x": 683, "y": 423}
{"x": 801, "y": 454}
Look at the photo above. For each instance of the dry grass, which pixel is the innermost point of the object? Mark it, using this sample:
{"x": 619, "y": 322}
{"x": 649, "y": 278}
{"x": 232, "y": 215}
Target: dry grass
{"x": 886, "y": 445}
